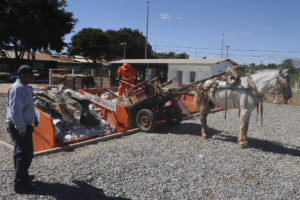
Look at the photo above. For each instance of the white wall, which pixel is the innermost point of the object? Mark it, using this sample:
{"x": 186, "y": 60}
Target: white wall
{"x": 201, "y": 71}
{"x": 220, "y": 67}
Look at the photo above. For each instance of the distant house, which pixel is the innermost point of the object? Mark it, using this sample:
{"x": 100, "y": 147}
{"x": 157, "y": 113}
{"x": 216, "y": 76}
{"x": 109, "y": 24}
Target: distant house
{"x": 47, "y": 61}
{"x": 42, "y": 61}
{"x": 184, "y": 70}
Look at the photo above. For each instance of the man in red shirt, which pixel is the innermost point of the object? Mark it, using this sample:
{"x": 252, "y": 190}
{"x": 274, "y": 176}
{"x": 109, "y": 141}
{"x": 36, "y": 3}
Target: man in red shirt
{"x": 127, "y": 75}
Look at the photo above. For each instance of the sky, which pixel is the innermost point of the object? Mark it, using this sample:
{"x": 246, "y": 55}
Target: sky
{"x": 253, "y": 31}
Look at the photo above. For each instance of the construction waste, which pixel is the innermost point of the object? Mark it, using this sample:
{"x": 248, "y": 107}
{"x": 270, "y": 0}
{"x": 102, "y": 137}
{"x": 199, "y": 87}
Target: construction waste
{"x": 72, "y": 114}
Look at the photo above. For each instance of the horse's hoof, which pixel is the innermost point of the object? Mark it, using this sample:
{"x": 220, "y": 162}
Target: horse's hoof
{"x": 243, "y": 145}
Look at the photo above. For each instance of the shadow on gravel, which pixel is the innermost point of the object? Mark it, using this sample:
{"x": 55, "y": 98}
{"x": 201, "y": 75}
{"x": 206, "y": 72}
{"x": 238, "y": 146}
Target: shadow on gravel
{"x": 264, "y": 145}
{"x": 65, "y": 192}
{"x": 185, "y": 128}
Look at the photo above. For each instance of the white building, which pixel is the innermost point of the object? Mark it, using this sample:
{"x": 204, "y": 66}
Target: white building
{"x": 185, "y": 70}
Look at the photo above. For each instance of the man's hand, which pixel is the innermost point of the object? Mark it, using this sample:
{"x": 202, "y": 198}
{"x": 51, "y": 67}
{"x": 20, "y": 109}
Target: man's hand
{"x": 22, "y": 133}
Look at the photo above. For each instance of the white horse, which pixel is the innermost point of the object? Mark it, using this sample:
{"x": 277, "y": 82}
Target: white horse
{"x": 244, "y": 95}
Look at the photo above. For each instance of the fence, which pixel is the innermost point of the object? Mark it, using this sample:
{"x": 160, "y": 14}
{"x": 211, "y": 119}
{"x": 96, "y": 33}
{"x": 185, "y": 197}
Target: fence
{"x": 296, "y": 91}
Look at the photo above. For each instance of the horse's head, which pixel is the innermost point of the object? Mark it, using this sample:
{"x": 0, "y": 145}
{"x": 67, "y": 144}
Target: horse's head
{"x": 283, "y": 82}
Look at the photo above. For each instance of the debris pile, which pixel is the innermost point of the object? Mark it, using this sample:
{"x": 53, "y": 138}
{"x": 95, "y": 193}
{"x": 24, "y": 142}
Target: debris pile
{"x": 73, "y": 116}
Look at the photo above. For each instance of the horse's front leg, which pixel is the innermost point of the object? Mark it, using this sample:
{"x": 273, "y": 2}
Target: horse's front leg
{"x": 204, "y": 110}
{"x": 244, "y": 124}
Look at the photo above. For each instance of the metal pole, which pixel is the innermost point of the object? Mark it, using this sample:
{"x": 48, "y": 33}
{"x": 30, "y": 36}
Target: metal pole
{"x": 146, "y": 41}
{"x": 124, "y": 43}
{"x": 296, "y": 86}
{"x": 227, "y": 47}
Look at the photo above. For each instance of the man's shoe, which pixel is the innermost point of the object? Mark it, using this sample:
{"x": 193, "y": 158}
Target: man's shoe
{"x": 24, "y": 188}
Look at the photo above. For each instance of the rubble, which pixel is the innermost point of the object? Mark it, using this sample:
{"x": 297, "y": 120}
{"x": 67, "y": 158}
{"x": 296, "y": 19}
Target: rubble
{"x": 73, "y": 116}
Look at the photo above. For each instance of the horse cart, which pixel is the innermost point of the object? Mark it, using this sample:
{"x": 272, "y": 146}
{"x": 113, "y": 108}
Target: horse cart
{"x": 160, "y": 105}
{"x": 148, "y": 104}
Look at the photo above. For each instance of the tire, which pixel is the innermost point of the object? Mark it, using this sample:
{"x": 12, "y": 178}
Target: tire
{"x": 146, "y": 120}
{"x": 173, "y": 115}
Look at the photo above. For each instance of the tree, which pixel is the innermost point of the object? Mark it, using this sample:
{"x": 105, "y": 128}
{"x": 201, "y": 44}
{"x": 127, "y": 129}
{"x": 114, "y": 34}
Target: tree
{"x": 34, "y": 25}
{"x": 135, "y": 44}
{"x": 171, "y": 54}
{"x": 90, "y": 43}
{"x": 182, "y": 55}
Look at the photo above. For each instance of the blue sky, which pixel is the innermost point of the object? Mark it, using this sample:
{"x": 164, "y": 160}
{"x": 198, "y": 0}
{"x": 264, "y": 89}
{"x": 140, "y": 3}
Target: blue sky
{"x": 256, "y": 31}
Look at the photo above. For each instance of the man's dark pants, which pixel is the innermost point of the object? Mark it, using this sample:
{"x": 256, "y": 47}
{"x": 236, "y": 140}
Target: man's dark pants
{"x": 23, "y": 153}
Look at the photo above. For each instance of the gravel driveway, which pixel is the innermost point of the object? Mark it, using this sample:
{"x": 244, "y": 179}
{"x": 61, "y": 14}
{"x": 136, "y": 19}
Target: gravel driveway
{"x": 174, "y": 162}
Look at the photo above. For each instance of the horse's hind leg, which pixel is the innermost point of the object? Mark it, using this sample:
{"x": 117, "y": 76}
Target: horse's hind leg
{"x": 244, "y": 121}
{"x": 204, "y": 110}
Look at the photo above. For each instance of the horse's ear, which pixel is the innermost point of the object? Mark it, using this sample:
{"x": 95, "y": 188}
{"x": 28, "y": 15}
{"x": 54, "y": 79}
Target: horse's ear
{"x": 284, "y": 72}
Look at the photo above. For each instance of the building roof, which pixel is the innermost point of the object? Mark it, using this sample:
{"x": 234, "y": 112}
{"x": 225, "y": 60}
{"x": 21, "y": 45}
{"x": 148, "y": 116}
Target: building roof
{"x": 63, "y": 59}
{"x": 202, "y": 61}
{"x": 38, "y": 56}
{"x": 41, "y": 57}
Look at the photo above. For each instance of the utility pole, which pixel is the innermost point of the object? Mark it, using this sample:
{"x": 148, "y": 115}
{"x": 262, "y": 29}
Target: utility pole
{"x": 124, "y": 44}
{"x": 222, "y": 44}
{"x": 227, "y": 47}
{"x": 146, "y": 41}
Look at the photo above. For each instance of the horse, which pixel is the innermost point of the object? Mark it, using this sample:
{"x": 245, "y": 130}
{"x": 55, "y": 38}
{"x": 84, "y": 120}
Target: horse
{"x": 246, "y": 94}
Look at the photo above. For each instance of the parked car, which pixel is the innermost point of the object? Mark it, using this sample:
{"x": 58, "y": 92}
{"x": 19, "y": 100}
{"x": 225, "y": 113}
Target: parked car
{"x": 12, "y": 77}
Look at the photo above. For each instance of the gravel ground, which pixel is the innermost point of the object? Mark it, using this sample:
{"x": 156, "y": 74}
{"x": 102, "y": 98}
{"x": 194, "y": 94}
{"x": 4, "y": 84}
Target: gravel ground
{"x": 174, "y": 162}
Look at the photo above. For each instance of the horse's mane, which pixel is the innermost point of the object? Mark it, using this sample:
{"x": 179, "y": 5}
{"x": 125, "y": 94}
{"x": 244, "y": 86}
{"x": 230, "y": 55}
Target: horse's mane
{"x": 263, "y": 73}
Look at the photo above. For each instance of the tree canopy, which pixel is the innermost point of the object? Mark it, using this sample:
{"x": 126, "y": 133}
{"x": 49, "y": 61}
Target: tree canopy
{"x": 90, "y": 43}
{"x": 171, "y": 55}
{"x": 125, "y": 42}
{"x": 33, "y": 25}
{"x": 132, "y": 40}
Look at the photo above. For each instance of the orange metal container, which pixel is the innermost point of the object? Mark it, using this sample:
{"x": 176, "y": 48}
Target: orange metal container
{"x": 44, "y": 135}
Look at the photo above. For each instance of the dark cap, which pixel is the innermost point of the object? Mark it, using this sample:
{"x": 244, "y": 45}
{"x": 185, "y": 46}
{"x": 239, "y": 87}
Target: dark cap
{"x": 25, "y": 69}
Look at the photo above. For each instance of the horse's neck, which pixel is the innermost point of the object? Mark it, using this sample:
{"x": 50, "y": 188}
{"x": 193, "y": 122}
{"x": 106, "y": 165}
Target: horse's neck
{"x": 264, "y": 81}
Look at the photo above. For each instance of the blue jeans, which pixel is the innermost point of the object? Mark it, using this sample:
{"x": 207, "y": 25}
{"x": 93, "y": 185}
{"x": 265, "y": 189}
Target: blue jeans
{"x": 23, "y": 153}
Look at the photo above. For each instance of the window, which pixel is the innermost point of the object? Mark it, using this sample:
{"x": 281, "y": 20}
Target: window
{"x": 192, "y": 76}
{"x": 179, "y": 76}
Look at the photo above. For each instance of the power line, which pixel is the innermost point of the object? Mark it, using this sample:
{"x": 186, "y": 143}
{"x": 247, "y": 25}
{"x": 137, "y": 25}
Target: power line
{"x": 253, "y": 50}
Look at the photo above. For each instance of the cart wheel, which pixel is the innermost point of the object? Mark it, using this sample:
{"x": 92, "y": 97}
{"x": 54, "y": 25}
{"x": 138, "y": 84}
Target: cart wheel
{"x": 146, "y": 120}
{"x": 173, "y": 115}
